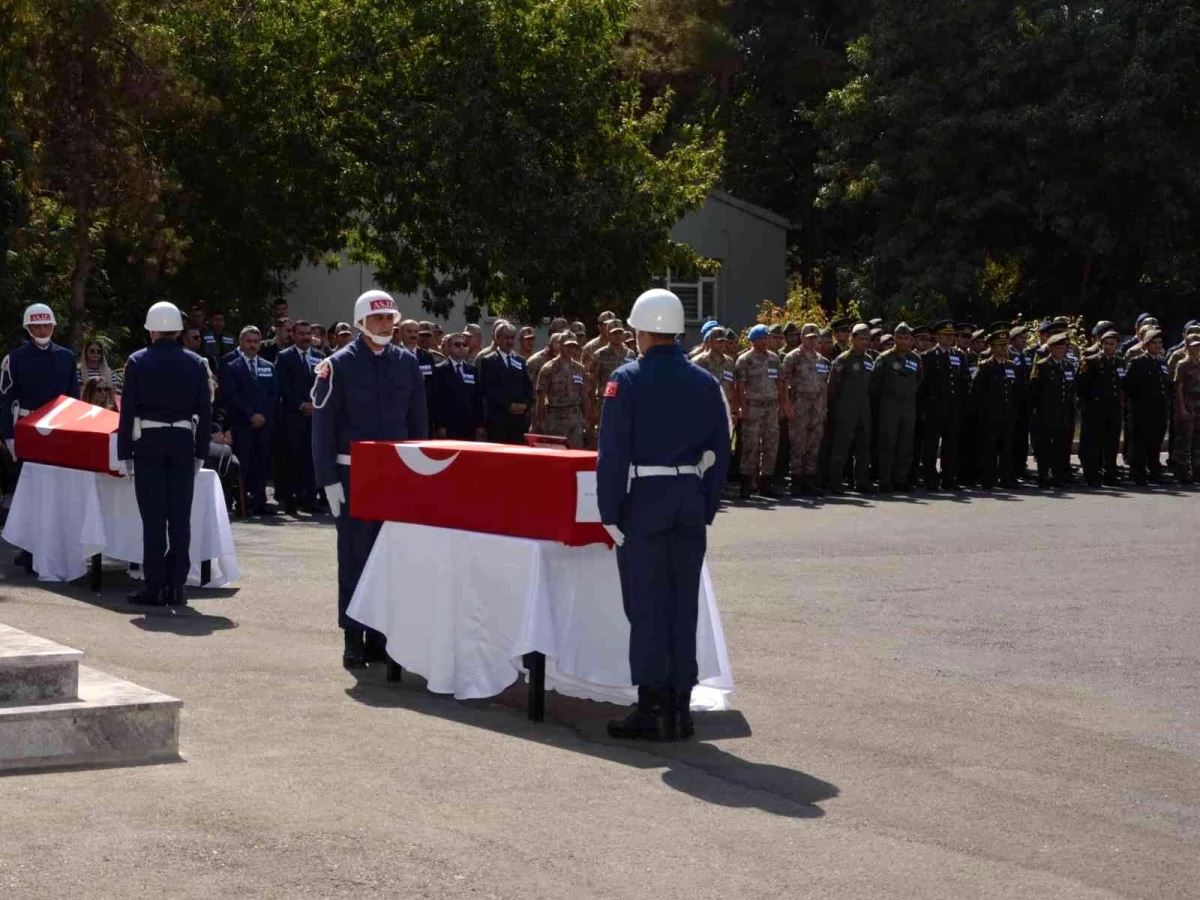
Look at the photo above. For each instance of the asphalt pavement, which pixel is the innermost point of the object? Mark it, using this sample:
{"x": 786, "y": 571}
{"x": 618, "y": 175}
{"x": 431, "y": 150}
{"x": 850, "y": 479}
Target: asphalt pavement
{"x": 937, "y": 697}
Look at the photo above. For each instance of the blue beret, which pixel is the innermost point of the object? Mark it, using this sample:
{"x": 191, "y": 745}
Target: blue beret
{"x": 758, "y": 331}
{"x": 708, "y": 326}
{"x": 1142, "y": 318}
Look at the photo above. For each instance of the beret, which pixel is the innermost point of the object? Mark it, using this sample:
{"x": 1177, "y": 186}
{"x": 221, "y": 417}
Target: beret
{"x": 757, "y": 332}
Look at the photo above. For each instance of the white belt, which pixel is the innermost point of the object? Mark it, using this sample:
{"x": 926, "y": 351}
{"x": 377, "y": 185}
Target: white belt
{"x": 140, "y": 425}
{"x": 343, "y": 459}
{"x": 662, "y": 471}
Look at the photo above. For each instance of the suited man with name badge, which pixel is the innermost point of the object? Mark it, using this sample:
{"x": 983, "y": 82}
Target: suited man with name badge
{"x": 456, "y": 405}
{"x": 295, "y": 370}
{"x": 507, "y": 393}
{"x": 251, "y": 395}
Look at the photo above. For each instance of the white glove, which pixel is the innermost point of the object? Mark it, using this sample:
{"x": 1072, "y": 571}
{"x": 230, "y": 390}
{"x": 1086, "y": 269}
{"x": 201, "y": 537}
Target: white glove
{"x": 128, "y": 463}
{"x": 199, "y": 465}
{"x": 707, "y": 460}
{"x": 615, "y": 533}
{"x": 336, "y": 497}
{"x": 11, "y": 444}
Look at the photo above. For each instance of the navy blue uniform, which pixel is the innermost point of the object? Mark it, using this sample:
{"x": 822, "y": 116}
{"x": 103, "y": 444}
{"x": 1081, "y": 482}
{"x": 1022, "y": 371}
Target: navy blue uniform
{"x": 661, "y": 411}
{"x": 455, "y": 400}
{"x": 249, "y": 388}
{"x": 361, "y": 395}
{"x": 505, "y": 382}
{"x": 32, "y": 376}
{"x": 296, "y": 373}
{"x": 167, "y": 394}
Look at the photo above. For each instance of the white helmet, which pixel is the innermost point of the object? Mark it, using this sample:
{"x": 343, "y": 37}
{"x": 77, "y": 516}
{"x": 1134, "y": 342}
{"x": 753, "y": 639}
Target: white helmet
{"x": 38, "y": 314}
{"x": 658, "y": 312}
{"x": 374, "y": 303}
{"x": 164, "y": 316}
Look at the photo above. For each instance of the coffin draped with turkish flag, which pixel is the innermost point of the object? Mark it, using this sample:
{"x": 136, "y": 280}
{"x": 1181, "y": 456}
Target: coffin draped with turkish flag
{"x": 70, "y": 433}
{"x": 530, "y": 492}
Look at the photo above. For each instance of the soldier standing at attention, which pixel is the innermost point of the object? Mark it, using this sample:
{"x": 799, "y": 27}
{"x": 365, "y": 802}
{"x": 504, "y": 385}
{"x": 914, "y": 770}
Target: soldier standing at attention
{"x": 535, "y": 363}
{"x": 607, "y": 360}
{"x": 563, "y": 407}
{"x": 1022, "y": 359}
{"x": 943, "y": 392}
{"x": 601, "y": 339}
{"x": 1052, "y": 400}
{"x": 825, "y": 343}
{"x": 894, "y": 386}
{"x": 664, "y": 447}
{"x": 922, "y": 342}
{"x": 850, "y": 412}
{"x": 841, "y": 337}
{"x": 1103, "y": 402}
{"x": 760, "y": 394}
{"x": 995, "y": 396}
{"x": 806, "y": 381}
{"x": 1187, "y": 412}
{"x": 1148, "y": 390}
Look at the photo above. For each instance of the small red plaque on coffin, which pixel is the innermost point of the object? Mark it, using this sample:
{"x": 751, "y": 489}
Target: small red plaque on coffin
{"x": 69, "y": 433}
{"x": 530, "y": 492}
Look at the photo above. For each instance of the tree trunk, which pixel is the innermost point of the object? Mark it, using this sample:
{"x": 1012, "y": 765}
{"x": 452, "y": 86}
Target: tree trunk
{"x": 79, "y": 275}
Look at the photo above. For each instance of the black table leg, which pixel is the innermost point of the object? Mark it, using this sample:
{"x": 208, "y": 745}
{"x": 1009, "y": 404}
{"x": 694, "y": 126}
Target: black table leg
{"x": 205, "y": 572}
{"x": 536, "y": 664}
{"x": 395, "y": 671}
{"x": 96, "y": 578}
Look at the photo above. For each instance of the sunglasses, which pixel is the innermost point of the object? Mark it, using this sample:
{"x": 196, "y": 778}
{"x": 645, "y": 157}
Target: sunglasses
{"x": 103, "y": 390}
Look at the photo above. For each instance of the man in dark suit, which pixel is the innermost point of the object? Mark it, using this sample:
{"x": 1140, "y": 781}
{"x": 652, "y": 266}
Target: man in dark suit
{"x": 456, "y": 404}
{"x": 507, "y": 393}
{"x": 295, "y": 371}
{"x": 252, "y": 398}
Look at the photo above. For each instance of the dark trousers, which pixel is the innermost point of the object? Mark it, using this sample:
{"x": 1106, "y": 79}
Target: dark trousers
{"x": 164, "y": 476}
{"x": 897, "y": 423}
{"x": 941, "y": 434}
{"x": 296, "y": 483}
{"x": 1020, "y": 444}
{"x": 1099, "y": 439}
{"x": 252, "y": 446}
{"x": 785, "y": 452}
{"x": 968, "y": 446}
{"x": 852, "y": 433}
{"x": 995, "y": 453}
{"x": 659, "y": 566}
{"x": 355, "y": 538}
{"x": 506, "y": 428}
{"x": 1145, "y": 444}
{"x": 1054, "y": 450}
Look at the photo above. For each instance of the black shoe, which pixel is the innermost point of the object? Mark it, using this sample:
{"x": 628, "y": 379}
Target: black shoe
{"x": 375, "y": 647}
{"x": 24, "y": 560}
{"x": 745, "y": 491}
{"x": 266, "y": 511}
{"x": 1141, "y": 481}
{"x": 354, "y": 654}
{"x": 768, "y": 488}
{"x": 1010, "y": 485}
{"x": 797, "y": 489}
{"x": 653, "y": 719}
{"x": 885, "y": 488}
{"x": 144, "y": 595}
{"x": 292, "y": 510}
{"x": 176, "y": 596}
{"x": 685, "y": 727}
{"x": 866, "y": 489}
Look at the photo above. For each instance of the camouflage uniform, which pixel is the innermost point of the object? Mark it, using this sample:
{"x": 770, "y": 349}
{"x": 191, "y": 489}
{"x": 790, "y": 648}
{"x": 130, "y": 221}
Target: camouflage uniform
{"x": 534, "y": 364}
{"x": 808, "y": 377}
{"x": 1187, "y": 432}
{"x": 591, "y": 348}
{"x": 720, "y": 368}
{"x": 564, "y": 384}
{"x": 759, "y": 373}
{"x": 605, "y": 361}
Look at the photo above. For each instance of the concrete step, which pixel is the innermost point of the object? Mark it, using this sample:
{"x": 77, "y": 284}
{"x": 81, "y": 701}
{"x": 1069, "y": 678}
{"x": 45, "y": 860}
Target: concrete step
{"x": 111, "y": 722}
{"x": 34, "y": 670}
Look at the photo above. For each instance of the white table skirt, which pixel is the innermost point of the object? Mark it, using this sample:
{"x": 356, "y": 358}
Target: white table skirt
{"x": 461, "y": 608}
{"x": 66, "y": 516}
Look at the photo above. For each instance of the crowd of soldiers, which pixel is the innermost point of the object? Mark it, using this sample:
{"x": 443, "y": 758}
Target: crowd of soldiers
{"x": 951, "y": 406}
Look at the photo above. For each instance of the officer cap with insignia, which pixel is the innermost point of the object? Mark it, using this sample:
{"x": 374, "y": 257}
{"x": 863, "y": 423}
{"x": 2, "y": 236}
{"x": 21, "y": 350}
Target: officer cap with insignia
{"x": 876, "y": 332}
{"x": 1059, "y": 324}
{"x": 790, "y": 328}
{"x": 876, "y": 323}
{"x": 996, "y": 326}
{"x": 827, "y": 332}
{"x": 978, "y": 334}
{"x": 861, "y": 328}
{"x": 998, "y": 334}
{"x": 902, "y": 330}
{"x": 810, "y": 330}
{"x": 1102, "y": 327}
{"x": 921, "y": 330}
{"x": 1110, "y": 334}
{"x": 945, "y": 326}
{"x": 1017, "y": 331}
{"x": 841, "y": 324}
{"x": 966, "y": 329}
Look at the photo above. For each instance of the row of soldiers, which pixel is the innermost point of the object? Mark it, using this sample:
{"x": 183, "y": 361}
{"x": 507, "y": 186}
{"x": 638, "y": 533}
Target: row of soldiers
{"x": 950, "y": 405}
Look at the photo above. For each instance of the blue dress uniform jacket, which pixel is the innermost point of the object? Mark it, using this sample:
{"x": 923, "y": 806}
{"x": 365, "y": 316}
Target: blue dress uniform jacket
{"x": 361, "y": 395}
{"x": 661, "y": 411}
{"x": 455, "y": 402}
{"x": 167, "y": 392}
{"x": 30, "y": 377}
{"x": 296, "y": 373}
{"x": 248, "y": 388}
{"x": 505, "y": 383}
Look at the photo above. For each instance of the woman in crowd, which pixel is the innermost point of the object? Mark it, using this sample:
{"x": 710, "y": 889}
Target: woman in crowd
{"x": 94, "y": 363}
{"x": 318, "y": 339}
{"x": 98, "y": 391}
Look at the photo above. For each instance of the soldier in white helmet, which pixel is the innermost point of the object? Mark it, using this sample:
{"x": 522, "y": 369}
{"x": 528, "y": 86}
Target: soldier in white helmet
{"x": 370, "y": 390}
{"x": 31, "y": 376}
{"x": 166, "y": 420}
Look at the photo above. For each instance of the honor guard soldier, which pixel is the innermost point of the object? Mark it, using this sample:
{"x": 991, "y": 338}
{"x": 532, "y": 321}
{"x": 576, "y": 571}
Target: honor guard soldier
{"x": 166, "y": 421}
{"x": 664, "y": 448}
{"x": 370, "y": 390}
{"x": 1102, "y": 399}
{"x": 806, "y": 380}
{"x": 563, "y": 406}
{"x": 31, "y": 376}
{"x": 995, "y": 398}
{"x": 894, "y": 386}
{"x": 944, "y": 391}
{"x": 760, "y": 395}
{"x": 1052, "y": 401}
{"x": 850, "y": 413}
{"x": 1148, "y": 390}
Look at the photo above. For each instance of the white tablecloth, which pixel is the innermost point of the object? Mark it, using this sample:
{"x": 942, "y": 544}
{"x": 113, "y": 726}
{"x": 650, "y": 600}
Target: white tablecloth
{"x": 461, "y": 608}
{"x": 65, "y": 516}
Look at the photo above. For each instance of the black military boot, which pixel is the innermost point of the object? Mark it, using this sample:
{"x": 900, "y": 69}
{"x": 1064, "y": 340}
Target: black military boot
{"x": 685, "y": 727}
{"x": 767, "y": 488}
{"x": 376, "y": 646}
{"x": 747, "y": 488}
{"x": 799, "y": 486}
{"x": 176, "y": 596}
{"x": 354, "y": 653}
{"x": 651, "y": 721}
{"x": 144, "y": 595}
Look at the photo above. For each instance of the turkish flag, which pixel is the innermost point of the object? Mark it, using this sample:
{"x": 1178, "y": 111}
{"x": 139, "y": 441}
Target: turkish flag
{"x": 70, "y": 433}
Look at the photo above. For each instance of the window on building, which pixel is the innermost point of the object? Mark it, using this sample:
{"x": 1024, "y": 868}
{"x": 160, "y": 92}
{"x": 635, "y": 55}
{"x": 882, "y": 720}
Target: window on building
{"x": 699, "y": 298}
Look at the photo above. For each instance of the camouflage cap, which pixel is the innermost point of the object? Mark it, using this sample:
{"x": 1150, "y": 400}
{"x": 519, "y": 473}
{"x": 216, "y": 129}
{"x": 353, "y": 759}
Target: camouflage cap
{"x": 810, "y": 330}
{"x": 790, "y": 328}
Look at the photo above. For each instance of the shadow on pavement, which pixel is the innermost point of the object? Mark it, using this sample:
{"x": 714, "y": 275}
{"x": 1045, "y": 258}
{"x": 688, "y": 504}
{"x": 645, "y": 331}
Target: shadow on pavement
{"x": 699, "y": 769}
{"x": 185, "y": 622}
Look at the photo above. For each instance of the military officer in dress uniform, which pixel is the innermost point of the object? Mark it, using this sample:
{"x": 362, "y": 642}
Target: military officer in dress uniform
{"x": 166, "y": 422}
{"x": 994, "y": 396}
{"x": 850, "y": 413}
{"x": 664, "y": 447}
{"x": 943, "y": 393}
{"x": 806, "y": 380}
{"x": 295, "y": 369}
{"x": 1022, "y": 360}
{"x": 760, "y": 395}
{"x": 1103, "y": 400}
{"x": 251, "y": 394}
{"x": 894, "y": 386}
{"x": 1148, "y": 390}
{"x": 370, "y": 390}
{"x": 31, "y": 376}
{"x": 1052, "y": 400}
